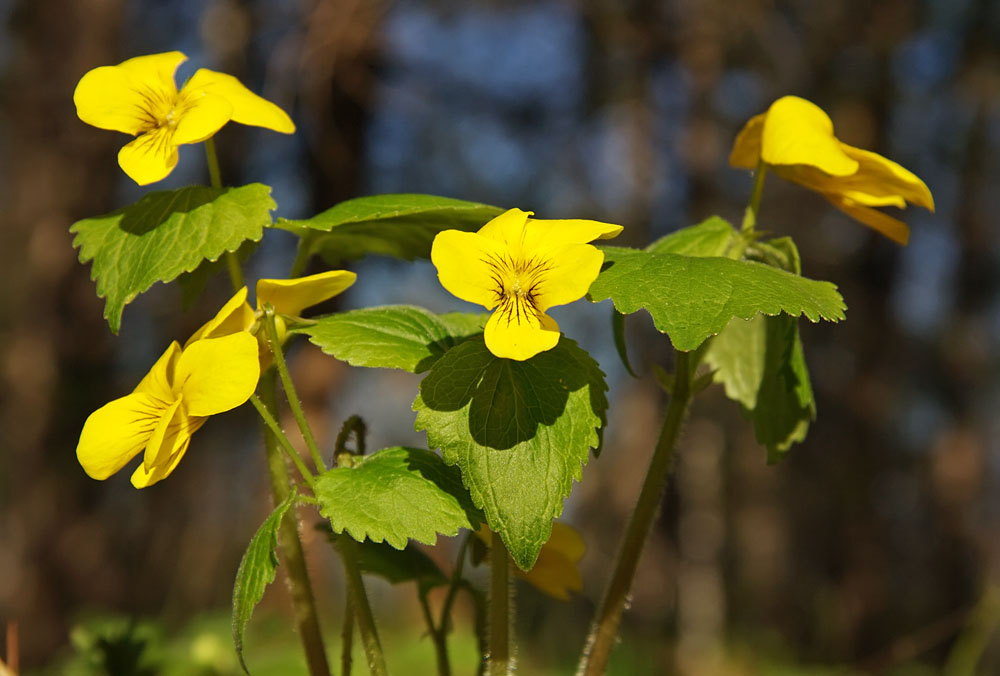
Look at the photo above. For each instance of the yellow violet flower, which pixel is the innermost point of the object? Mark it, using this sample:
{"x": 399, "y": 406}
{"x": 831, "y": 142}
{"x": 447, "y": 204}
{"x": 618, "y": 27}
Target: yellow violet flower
{"x": 795, "y": 139}
{"x": 556, "y": 570}
{"x": 175, "y": 398}
{"x": 139, "y": 97}
{"x": 288, "y": 297}
{"x": 521, "y": 266}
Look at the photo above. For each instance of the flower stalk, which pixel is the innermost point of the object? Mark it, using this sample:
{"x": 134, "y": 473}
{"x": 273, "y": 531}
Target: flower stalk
{"x": 215, "y": 180}
{"x": 753, "y": 208}
{"x": 286, "y": 382}
{"x": 604, "y": 631}
{"x": 296, "y": 574}
{"x": 278, "y": 437}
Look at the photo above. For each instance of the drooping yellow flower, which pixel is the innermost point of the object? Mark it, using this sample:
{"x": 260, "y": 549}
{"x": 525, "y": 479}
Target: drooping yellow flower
{"x": 288, "y": 297}
{"x": 795, "y": 139}
{"x": 556, "y": 570}
{"x": 521, "y": 266}
{"x": 139, "y": 97}
{"x": 175, "y": 398}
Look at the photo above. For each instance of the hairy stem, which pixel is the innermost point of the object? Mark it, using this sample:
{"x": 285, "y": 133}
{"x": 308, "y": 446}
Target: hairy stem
{"x": 604, "y": 631}
{"x": 362, "y": 610}
{"x": 286, "y": 382}
{"x": 499, "y": 659}
{"x": 276, "y": 435}
{"x": 296, "y": 573}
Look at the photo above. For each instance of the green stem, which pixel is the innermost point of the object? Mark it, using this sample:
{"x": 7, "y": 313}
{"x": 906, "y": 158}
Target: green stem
{"x": 970, "y": 645}
{"x": 293, "y": 398}
{"x": 456, "y": 578}
{"x": 499, "y": 661}
{"x": 362, "y": 610}
{"x": 347, "y": 636}
{"x": 215, "y": 179}
{"x": 296, "y": 573}
{"x": 753, "y": 208}
{"x": 279, "y": 437}
{"x": 437, "y": 635}
{"x": 302, "y": 255}
{"x": 604, "y": 631}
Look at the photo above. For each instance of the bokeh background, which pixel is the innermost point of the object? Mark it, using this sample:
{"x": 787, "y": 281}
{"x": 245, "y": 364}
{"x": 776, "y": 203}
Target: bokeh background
{"x": 873, "y": 548}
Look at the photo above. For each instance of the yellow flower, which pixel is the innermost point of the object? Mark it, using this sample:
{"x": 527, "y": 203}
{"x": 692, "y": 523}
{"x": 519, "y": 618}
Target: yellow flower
{"x": 556, "y": 571}
{"x": 795, "y": 139}
{"x": 139, "y": 97}
{"x": 175, "y": 398}
{"x": 521, "y": 266}
{"x": 288, "y": 297}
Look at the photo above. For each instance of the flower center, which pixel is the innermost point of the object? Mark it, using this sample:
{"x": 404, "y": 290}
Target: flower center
{"x": 160, "y": 109}
{"x": 517, "y": 286}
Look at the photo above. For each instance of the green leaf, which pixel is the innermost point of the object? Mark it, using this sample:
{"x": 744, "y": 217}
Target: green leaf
{"x": 520, "y": 432}
{"x": 256, "y": 571}
{"x": 396, "y": 566}
{"x": 402, "y": 226}
{"x": 712, "y": 237}
{"x": 621, "y": 345}
{"x": 166, "y": 234}
{"x": 693, "y": 298}
{"x": 192, "y": 284}
{"x": 393, "y": 336}
{"x": 396, "y": 494}
{"x": 762, "y": 367}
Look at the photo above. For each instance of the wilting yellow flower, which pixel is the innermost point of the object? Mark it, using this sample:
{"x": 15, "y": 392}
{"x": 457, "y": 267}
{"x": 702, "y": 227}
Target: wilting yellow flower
{"x": 556, "y": 571}
{"x": 288, "y": 297}
{"x": 521, "y": 266}
{"x": 175, "y": 398}
{"x": 795, "y": 139}
{"x": 139, "y": 97}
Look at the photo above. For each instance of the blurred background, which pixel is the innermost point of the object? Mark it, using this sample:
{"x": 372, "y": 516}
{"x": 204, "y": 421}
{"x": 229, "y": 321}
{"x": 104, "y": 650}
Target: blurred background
{"x": 873, "y": 548}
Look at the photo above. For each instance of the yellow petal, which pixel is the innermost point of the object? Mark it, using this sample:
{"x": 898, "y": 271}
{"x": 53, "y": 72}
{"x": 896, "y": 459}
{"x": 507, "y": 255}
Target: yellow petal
{"x": 541, "y": 233}
{"x": 116, "y": 433}
{"x": 217, "y": 374}
{"x": 150, "y": 157}
{"x": 107, "y": 98}
{"x": 555, "y": 571}
{"x": 879, "y": 177}
{"x": 746, "y": 149}
{"x": 891, "y": 227}
{"x": 291, "y": 296}
{"x": 235, "y": 316}
{"x": 567, "y": 273}
{"x": 507, "y": 229}
{"x": 467, "y": 265}
{"x": 155, "y": 70}
{"x": 127, "y": 97}
{"x": 170, "y": 436}
{"x": 515, "y": 332}
{"x": 797, "y": 131}
{"x": 157, "y": 382}
{"x": 199, "y": 116}
{"x": 248, "y": 108}
{"x": 143, "y": 478}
